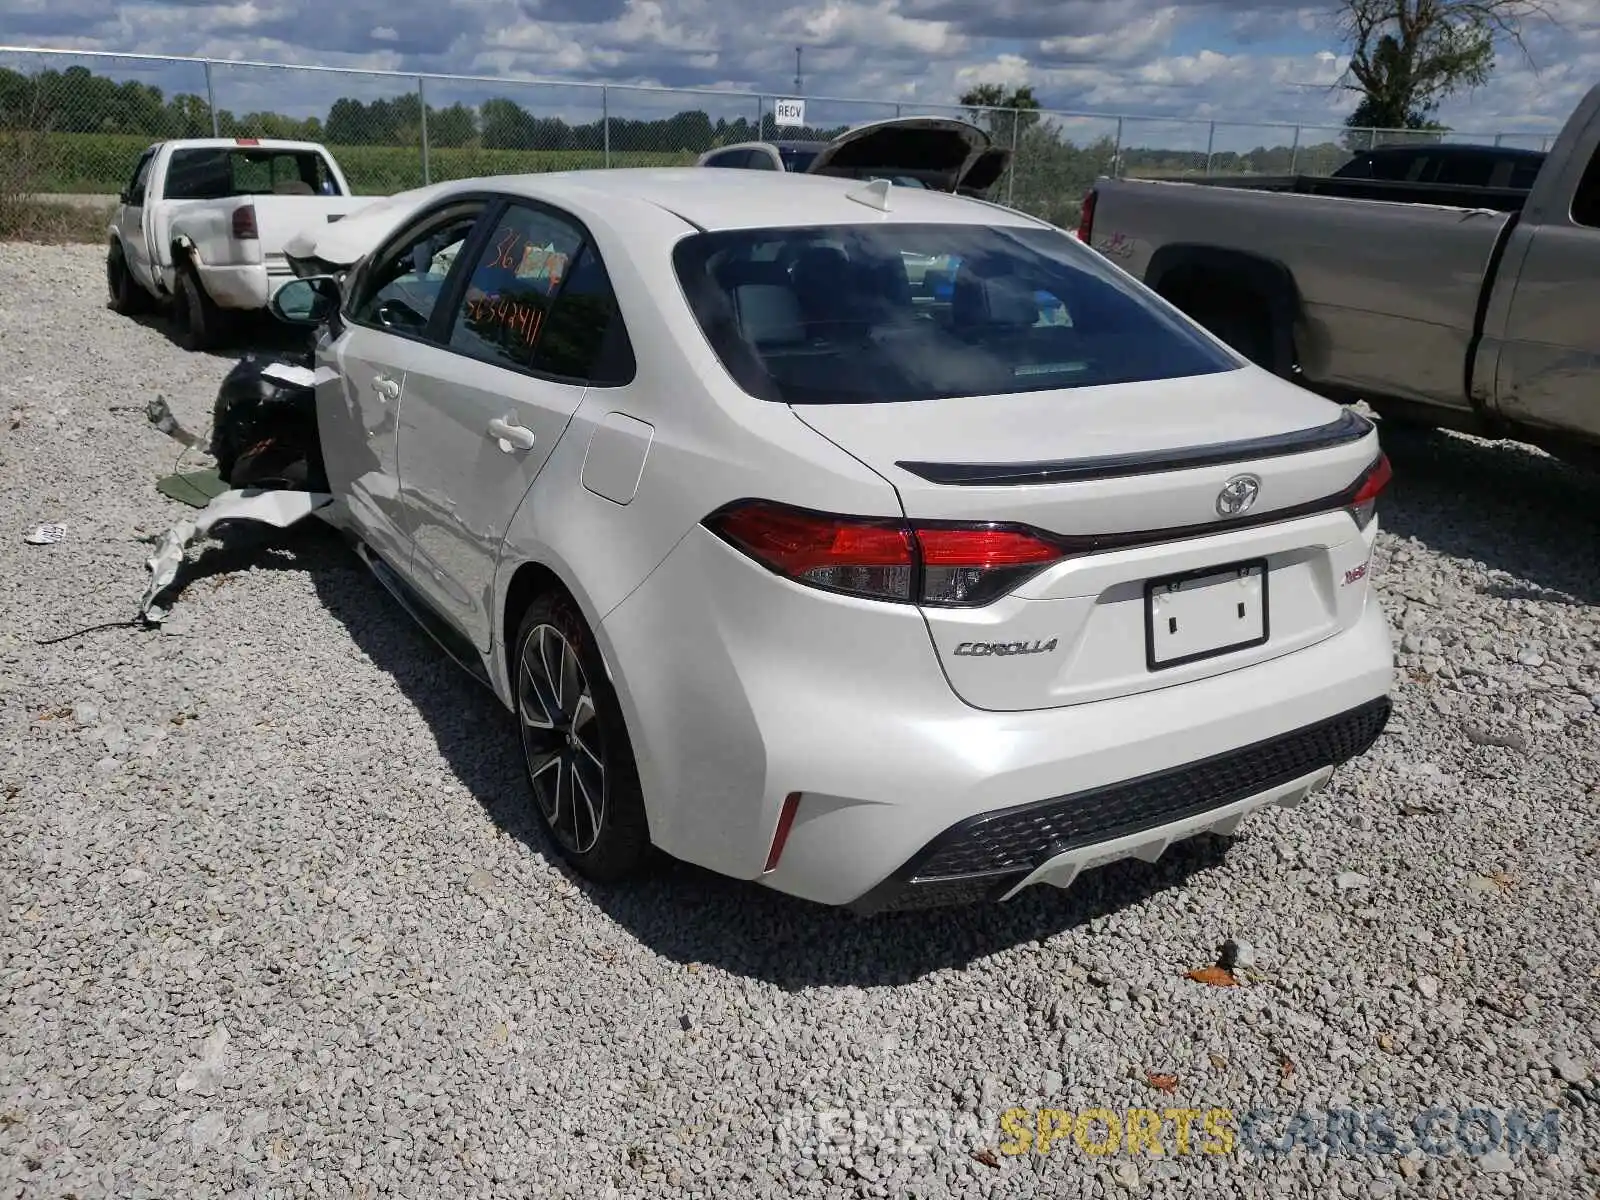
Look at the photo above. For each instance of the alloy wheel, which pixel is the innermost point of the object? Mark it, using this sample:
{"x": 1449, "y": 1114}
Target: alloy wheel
{"x": 562, "y": 738}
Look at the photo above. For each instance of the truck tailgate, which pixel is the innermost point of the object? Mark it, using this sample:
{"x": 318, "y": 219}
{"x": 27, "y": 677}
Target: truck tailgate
{"x": 1389, "y": 292}
{"x": 279, "y": 218}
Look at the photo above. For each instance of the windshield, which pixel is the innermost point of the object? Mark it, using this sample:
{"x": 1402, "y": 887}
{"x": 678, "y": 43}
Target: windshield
{"x": 857, "y": 314}
{"x": 797, "y": 160}
{"x": 218, "y": 172}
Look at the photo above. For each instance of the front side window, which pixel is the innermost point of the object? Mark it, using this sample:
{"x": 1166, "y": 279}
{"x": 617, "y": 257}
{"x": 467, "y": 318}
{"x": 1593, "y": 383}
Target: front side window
{"x": 508, "y": 295}
{"x": 141, "y": 176}
{"x": 401, "y": 288}
{"x": 901, "y": 312}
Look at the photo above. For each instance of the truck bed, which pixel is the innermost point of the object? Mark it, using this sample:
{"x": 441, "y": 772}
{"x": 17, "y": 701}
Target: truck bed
{"x": 1396, "y": 192}
{"x": 1388, "y": 293}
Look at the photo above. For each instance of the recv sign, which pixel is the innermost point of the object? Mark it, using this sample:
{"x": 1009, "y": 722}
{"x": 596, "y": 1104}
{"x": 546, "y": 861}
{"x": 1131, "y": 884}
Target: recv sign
{"x": 789, "y": 112}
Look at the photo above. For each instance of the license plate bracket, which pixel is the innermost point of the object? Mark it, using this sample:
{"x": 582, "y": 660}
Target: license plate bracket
{"x": 1205, "y": 613}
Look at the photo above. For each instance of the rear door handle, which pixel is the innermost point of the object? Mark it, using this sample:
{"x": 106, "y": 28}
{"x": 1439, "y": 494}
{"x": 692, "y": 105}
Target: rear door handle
{"x": 386, "y": 387}
{"x": 510, "y": 435}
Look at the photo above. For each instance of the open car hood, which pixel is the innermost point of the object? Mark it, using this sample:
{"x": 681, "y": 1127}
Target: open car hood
{"x": 985, "y": 171}
{"x": 939, "y": 152}
{"x": 333, "y": 246}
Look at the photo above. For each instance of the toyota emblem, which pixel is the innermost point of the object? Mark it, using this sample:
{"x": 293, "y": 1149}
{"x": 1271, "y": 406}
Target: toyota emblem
{"x": 1238, "y": 495}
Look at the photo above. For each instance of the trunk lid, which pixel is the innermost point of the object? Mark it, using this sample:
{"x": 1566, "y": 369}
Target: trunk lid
{"x": 935, "y": 150}
{"x": 1130, "y": 479}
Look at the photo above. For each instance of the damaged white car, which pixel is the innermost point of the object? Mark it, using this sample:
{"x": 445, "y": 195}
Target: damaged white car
{"x": 875, "y": 543}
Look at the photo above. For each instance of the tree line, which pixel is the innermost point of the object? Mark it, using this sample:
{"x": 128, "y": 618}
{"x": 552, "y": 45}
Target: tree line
{"x": 77, "y": 100}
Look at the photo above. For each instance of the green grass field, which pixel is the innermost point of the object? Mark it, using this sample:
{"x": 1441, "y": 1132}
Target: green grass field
{"x": 99, "y": 164}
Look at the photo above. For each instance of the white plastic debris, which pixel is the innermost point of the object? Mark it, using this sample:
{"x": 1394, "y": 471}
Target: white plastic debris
{"x": 280, "y": 508}
{"x": 289, "y": 373}
{"x": 46, "y": 535}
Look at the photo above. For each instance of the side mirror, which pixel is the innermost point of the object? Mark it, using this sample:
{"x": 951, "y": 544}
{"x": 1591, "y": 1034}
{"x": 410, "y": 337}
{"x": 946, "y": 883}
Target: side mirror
{"x": 124, "y": 196}
{"x": 306, "y": 301}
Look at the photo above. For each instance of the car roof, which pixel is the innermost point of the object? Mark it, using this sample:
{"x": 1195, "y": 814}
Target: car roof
{"x": 726, "y": 200}
{"x": 241, "y": 143}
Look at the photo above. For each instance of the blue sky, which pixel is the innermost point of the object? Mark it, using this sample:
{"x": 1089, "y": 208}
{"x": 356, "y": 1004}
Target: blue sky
{"x": 1227, "y": 60}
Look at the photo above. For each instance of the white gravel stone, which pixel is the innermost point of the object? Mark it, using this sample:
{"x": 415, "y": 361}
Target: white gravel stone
{"x": 1569, "y": 1068}
{"x": 296, "y": 861}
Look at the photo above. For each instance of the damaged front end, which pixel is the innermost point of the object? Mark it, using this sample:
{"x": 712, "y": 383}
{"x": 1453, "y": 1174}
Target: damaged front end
{"x": 268, "y": 452}
{"x": 264, "y": 425}
{"x": 265, "y": 436}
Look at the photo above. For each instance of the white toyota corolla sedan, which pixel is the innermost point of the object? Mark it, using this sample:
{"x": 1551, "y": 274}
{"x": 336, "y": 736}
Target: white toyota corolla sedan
{"x": 887, "y": 547}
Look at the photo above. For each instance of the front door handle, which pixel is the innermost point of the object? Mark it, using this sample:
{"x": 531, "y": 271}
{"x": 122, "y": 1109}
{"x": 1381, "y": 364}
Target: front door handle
{"x": 510, "y": 435}
{"x": 386, "y": 387}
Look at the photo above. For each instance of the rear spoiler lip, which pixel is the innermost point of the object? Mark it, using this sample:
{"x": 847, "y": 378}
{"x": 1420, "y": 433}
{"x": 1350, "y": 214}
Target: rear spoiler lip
{"x": 1348, "y": 427}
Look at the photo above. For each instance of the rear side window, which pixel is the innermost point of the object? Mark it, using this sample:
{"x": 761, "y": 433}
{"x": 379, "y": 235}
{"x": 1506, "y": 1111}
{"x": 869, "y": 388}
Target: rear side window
{"x": 1466, "y": 170}
{"x": 1524, "y": 172}
{"x": 1586, "y": 202}
{"x": 583, "y": 337}
{"x": 900, "y": 312}
{"x": 508, "y": 294}
{"x": 539, "y": 299}
{"x": 219, "y": 172}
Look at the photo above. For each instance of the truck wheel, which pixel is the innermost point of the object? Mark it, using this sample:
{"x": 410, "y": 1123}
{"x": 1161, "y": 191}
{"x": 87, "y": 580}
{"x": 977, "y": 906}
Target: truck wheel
{"x": 127, "y": 297}
{"x": 199, "y": 320}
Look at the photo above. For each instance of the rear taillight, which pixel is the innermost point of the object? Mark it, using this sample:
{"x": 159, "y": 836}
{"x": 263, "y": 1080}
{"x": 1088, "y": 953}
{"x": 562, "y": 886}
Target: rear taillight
{"x": 244, "y": 223}
{"x": 1086, "y": 217}
{"x": 880, "y": 559}
{"x": 1364, "y": 503}
{"x": 841, "y": 554}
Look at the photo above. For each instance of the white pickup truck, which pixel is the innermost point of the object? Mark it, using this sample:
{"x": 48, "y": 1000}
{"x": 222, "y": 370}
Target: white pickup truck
{"x": 202, "y": 224}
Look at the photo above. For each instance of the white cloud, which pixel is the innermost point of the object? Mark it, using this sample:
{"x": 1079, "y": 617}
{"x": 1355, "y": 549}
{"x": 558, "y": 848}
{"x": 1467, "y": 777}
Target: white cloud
{"x": 1224, "y": 60}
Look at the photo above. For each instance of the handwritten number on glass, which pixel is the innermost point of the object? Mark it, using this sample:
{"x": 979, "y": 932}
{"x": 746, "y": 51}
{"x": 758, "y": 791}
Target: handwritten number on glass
{"x": 510, "y": 316}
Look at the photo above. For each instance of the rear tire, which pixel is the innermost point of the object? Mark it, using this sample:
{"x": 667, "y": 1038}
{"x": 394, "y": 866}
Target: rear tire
{"x": 198, "y": 319}
{"x": 127, "y": 297}
{"x": 575, "y": 744}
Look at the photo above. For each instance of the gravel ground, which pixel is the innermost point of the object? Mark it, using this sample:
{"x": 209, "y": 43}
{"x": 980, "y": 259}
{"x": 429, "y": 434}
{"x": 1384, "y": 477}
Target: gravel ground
{"x": 274, "y": 921}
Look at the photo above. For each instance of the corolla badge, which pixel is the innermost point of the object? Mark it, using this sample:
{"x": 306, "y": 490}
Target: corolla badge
{"x": 1238, "y": 495}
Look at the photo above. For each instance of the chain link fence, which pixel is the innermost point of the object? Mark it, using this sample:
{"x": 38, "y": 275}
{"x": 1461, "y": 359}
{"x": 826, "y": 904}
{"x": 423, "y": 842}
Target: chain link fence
{"x": 78, "y": 121}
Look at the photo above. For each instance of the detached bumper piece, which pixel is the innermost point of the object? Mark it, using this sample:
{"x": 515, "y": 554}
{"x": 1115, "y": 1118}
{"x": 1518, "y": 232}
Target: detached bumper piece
{"x": 984, "y": 857}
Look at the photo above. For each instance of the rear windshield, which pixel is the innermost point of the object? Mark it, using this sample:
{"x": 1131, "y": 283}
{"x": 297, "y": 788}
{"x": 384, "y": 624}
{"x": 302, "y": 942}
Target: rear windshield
{"x": 218, "y": 172}
{"x": 859, "y": 314}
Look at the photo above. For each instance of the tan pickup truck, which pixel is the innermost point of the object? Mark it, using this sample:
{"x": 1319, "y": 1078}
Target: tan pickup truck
{"x": 1471, "y": 308}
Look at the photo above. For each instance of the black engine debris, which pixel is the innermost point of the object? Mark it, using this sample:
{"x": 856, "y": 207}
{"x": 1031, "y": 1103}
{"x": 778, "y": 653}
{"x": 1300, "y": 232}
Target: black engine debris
{"x": 264, "y": 430}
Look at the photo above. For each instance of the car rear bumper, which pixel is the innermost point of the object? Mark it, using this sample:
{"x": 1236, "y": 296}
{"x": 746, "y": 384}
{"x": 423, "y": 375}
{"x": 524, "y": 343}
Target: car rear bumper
{"x": 993, "y": 855}
{"x": 741, "y": 688}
